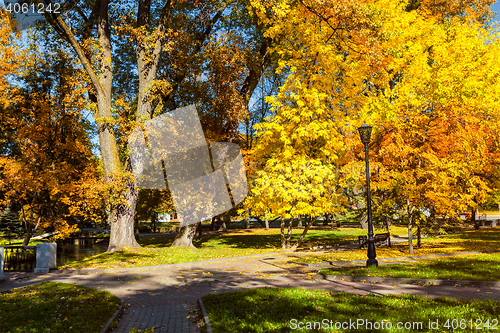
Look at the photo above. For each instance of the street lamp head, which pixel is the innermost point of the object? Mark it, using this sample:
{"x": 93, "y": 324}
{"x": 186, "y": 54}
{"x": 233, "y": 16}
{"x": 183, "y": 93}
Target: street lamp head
{"x": 365, "y": 132}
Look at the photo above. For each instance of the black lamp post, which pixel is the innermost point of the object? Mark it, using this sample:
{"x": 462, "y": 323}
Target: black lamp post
{"x": 365, "y": 132}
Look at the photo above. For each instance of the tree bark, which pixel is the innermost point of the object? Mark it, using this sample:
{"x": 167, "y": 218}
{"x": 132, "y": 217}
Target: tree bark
{"x": 303, "y": 235}
{"x": 419, "y": 237}
{"x": 289, "y": 235}
{"x": 199, "y": 232}
{"x": 185, "y": 236}
{"x": 122, "y": 226}
{"x": 473, "y": 218}
{"x": 27, "y": 237}
{"x": 387, "y": 224}
{"x": 364, "y": 221}
{"x": 266, "y": 221}
{"x": 410, "y": 237}
{"x": 283, "y": 241}
{"x": 247, "y": 219}
{"x": 212, "y": 225}
{"x": 222, "y": 225}
{"x": 299, "y": 224}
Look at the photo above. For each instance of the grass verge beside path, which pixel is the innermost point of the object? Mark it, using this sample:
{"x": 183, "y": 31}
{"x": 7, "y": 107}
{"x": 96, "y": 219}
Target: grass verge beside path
{"x": 481, "y": 267}
{"x": 55, "y": 308}
{"x": 288, "y": 309}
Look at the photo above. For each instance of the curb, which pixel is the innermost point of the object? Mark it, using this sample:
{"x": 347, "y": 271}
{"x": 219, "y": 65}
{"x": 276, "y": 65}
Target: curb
{"x": 205, "y": 316}
{"x": 372, "y": 279}
{"x": 333, "y": 263}
{"x": 113, "y": 316}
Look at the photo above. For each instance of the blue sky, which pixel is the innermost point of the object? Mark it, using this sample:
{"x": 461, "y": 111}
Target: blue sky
{"x": 496, "y": 8}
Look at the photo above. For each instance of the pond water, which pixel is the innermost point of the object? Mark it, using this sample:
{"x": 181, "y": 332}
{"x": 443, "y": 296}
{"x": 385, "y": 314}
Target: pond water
{"x": 78, "y": 252}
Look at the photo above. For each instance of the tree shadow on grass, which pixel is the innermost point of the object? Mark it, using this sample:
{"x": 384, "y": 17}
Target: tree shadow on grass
{"x": 271, "y": 241}
{"x": 248, "y": 239}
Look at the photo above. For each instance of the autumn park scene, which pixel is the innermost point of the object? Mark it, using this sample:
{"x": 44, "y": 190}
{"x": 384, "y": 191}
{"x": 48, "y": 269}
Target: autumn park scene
{"x": 249, "y": 166}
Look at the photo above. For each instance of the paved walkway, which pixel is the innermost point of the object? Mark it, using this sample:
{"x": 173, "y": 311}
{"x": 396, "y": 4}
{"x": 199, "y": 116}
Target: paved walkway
{"x": 162, "y": 296}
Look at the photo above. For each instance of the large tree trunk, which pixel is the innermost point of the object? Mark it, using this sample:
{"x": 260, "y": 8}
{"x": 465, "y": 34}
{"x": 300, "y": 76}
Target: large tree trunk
{"x": 299, "y": 224}
{"x": 267, "y": 221}
{"x": 122, "y": 226}
{"x": 184, "y": 238}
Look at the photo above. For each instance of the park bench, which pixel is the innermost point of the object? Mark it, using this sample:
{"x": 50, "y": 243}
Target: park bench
{"x": 378, "y": 239}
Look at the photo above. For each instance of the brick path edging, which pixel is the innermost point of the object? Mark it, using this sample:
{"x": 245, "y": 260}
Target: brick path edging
{"x": 113, "y": 316}
{"x": 205, "y": 316}
{"x": 373, "y": 279}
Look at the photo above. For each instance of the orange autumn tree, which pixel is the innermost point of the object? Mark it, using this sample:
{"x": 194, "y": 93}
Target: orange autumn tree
{"x": 50, "y": 171}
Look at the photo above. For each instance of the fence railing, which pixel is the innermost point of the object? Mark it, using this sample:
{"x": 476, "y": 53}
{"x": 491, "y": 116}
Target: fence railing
{"x": 19, "y": 258}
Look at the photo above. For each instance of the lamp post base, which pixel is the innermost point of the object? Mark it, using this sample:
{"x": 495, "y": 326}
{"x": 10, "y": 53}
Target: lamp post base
{"x": 372, "y": 262}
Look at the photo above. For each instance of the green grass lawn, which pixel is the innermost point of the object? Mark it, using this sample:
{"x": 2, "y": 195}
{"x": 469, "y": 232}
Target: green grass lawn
{"x": 481, "y": 267}
{"x": 55, "y": 308}
{"x": 156, "y": 249}
{"x": 19, "y": 242}
{"x": 289, "y": 310}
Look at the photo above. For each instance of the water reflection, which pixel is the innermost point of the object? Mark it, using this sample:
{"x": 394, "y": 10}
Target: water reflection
{"x": 67, "y": 253}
